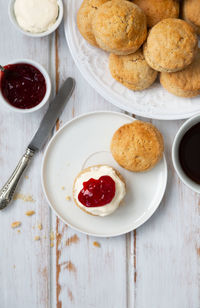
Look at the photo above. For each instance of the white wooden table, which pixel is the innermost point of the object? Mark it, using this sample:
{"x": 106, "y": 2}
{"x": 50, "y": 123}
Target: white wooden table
{"x": 156, "y": 266}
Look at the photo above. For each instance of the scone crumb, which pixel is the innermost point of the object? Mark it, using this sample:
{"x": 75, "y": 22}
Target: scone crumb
{"x": 37, "y": 238}
{"x": 26, "y": 177}
{"x": 40, "y": 226}
{"x": 96, "y": 244}
{"x": 18, "y": 231}
{"x": 68, "y": 198}
{"x": 52, "y": 244}
{"x": 30, "y": 213}
{"x": 25, "y": 198}
{"x": 63, "y": 187}
{"x": 52, "y": 236}
{"x": 16, "y": 224}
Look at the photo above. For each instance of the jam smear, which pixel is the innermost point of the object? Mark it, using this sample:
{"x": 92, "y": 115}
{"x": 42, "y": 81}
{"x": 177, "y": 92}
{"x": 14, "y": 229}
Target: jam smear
{"x": 97, "y": 192}
{"x": 23, "y": 85}
{"x": 189, "y": 153}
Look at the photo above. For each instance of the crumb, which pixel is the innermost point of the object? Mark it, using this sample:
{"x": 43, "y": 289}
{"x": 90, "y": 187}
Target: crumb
{"x": 40, "y": 226}
{"x": 45, "y": 237}
{"x": 33, "y": 227}
{"x": 63, "y": 187}
{"x": 26, "y": 177}
{"x": 36, "y": 238}
{"x": 52, "y": 236}
{"x": 14, "y": 266}
{"x": 25, "y": 198}
{"x": 68, "y": 198}
{"x": 96, "y": 244}
{"x": 52, "y": 244}
{"x": 18, "y": 231}
{"x": 16, "y": 224}
{"x": 30, "y": 213}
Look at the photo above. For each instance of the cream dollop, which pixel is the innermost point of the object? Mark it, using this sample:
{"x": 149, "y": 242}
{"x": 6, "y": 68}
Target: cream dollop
{"x": 96, "y": 172}
{"x": 36, "y": 16}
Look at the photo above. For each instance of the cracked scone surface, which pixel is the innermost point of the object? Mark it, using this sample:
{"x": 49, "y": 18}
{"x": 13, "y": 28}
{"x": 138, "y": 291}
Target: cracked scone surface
{"x": 185, "y": 83}
{"x": 137, "y": 146}
{"x": 191, "y": 13}
{"x": 132, "y": 70}
{"x": 119, "y": 27}
{"x": 84, "y": 19}
{"x": 157, "y": 10}
{"x": 171, "y": 45}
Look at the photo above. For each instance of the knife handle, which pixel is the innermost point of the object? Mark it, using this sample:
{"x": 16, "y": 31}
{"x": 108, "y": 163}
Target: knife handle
{"x": 7, "y": 191}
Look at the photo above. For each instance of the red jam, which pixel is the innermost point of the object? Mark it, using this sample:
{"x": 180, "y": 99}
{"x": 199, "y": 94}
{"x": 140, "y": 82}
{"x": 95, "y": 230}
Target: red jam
{"x": 97, "y": 192}
{"x": 23, "y": 85}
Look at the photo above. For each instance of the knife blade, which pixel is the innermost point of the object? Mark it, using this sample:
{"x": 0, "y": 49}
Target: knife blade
{"x": 55, "y": 109}
{"x": 48, "y": 122}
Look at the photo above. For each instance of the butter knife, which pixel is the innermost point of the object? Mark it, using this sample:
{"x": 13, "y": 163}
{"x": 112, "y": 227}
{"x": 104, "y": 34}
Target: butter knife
{"x": 48, "y": 122}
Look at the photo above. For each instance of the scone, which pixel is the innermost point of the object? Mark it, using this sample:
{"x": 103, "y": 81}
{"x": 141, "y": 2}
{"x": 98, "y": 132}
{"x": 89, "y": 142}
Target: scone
{"x": 191, "y": 13}
{"x": 137, "y": 146}
{"x": 119, "y": 26}
{"x": 132, "y": 70}
{"x": 99, "y": 190}
{"x": 84, "y": 19}
{"x": 185, "y": 83}
{"x": 171, "y": 45}
{"x": 157, "y": 10}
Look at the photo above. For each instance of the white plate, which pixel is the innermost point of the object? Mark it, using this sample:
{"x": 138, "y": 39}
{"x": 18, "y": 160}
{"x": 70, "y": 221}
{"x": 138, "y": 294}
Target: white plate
{"x": 83, "y": 142}
{"x": 154, "y": 102}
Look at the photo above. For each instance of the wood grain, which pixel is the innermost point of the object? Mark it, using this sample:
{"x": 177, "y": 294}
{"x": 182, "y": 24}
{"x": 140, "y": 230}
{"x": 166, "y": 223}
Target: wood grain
{"x": 155, "y": 266}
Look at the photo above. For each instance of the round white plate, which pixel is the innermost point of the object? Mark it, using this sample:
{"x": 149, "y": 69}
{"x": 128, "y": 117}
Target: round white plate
{"x": 83, "y": 142}
{"x": 154, "y": 102}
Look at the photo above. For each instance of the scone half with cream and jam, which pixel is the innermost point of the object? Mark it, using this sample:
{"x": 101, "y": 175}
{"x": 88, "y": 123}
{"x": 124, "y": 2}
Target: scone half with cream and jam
{"x": 99, "y": 190}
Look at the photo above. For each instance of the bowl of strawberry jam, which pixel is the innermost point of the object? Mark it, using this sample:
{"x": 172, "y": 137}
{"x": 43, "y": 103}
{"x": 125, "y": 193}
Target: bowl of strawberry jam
{"x": 25, "y": 86}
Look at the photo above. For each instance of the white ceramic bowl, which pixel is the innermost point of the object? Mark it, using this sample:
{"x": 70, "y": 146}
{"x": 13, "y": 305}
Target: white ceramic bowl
{"x": 175, "y": 153}
{"x": 48, "y": 88}
{"x": 52, "y": 29}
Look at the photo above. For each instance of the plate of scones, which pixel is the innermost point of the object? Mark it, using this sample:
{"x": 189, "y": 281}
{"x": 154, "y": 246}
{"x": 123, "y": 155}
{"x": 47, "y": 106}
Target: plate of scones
{"x": 140, "y": 55}
{"x": 106, "y": 181}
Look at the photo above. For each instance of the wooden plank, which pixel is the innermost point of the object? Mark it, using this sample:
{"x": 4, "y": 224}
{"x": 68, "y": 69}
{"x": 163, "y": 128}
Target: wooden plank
{"x": 86, "y": 275}
{"x": 167, "y": 245}
{"x": 24, "y": 268}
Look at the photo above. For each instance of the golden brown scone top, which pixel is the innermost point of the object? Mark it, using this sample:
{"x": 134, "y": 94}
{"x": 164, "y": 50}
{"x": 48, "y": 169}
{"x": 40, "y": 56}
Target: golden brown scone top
{"x": 84, "y": 18}
{"x": 119, "y": 26}
{"x": 132, "y": 70}
{"x": 185, "y": 83}
{"x": 137, "y": 146}
{"x": 191, "y": 13}
{"x": 171, "y": 45}
{"x": 156, "y": 10}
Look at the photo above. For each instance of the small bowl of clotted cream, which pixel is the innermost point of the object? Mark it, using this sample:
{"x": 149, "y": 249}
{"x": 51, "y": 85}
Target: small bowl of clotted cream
{"x": 36, "y": 18}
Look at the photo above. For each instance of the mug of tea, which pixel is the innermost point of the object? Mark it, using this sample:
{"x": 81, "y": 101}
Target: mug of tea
{"x": 186, "y": 153}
